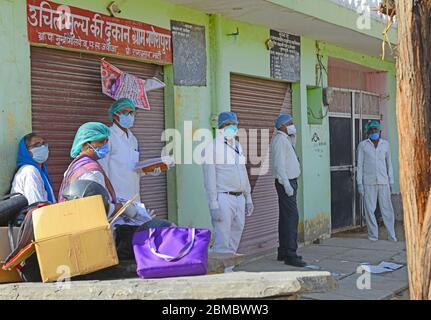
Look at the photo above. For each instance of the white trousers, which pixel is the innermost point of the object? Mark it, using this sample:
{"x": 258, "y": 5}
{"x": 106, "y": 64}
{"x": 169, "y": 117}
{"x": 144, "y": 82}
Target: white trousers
{"x": 382, "y": 193}
{"x": 228, "y": 231}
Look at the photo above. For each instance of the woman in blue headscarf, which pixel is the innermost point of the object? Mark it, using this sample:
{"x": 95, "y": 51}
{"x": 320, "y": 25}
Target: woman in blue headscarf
{"x": 32, "y": 179}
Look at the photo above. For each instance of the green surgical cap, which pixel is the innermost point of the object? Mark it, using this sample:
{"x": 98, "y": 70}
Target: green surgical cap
{"x": 371, "y": 124}
{"x": 119, "y": 105}
{"x": 88, "y": 132}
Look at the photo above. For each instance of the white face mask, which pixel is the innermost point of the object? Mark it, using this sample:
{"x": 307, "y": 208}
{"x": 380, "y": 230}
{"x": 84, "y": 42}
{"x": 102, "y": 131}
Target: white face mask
{"x": 291, "y": 130}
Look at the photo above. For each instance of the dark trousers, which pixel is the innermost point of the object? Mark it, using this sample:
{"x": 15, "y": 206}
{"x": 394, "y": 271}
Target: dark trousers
{"x": 288, "y": 220}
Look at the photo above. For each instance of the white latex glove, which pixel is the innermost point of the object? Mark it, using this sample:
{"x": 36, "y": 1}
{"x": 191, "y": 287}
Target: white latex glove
{"x": 216, "y": 214}
{"x": 249, "y": 208}
{"x": 361, "y": 189}
{"x": 288, "y": 189}
{"x": 152, "y": 213}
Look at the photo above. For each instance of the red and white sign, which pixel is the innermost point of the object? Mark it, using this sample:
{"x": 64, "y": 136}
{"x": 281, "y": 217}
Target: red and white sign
{"x": 118, "y": 84}
{"x": 70, "y": 27}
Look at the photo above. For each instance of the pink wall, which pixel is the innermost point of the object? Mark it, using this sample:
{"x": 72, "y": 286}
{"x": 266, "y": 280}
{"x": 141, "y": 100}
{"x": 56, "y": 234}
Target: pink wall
{"x": 344, "y": 74}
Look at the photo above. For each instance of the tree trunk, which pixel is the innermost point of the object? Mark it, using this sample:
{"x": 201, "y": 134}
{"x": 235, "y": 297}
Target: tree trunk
{"x": 413, "y": 118}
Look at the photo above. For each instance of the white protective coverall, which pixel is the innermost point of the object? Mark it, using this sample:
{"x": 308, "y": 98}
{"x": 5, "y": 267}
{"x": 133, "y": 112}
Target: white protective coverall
{"x": 225, "y": 171}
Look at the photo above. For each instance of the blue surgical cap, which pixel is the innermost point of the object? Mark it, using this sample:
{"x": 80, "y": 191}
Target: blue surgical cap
{"x": 226, "y": 117}
{"x": 119, "y": 105}
{"x": 282, "y": 119}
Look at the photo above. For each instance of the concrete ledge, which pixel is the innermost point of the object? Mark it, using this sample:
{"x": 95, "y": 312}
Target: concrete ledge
{"x": 248, "y": 285}
{"x": 217, "y": 262}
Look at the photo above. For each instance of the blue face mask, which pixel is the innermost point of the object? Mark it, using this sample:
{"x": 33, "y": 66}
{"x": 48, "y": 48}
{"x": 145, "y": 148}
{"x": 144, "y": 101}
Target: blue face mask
{"x": 101, "y": 152}
{"x": 126, "y": 120}
{"x": 375, "y": 136}
{"x": 230, "y": 131}
{"x": 40, "y": 154}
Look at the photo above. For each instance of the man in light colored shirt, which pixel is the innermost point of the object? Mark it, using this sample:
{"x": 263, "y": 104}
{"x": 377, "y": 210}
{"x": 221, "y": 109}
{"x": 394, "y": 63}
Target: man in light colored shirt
{"x": 120, "y": 163}
{"x": 375, "y": 180}
{"x": 286, "y": 170}
{"x": 227, "y": 185}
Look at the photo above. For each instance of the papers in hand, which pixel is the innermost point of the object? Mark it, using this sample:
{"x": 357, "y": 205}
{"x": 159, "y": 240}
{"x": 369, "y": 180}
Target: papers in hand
{"x": 161, "y": 162}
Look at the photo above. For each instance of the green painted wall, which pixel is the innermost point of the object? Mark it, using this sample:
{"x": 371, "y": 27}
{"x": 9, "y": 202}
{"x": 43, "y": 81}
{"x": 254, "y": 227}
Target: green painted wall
{"x": 244, "y": 54}
{"x": 315, "y": 180}
{"x": 336, "y": 14}
{"x": 15, "y": 120}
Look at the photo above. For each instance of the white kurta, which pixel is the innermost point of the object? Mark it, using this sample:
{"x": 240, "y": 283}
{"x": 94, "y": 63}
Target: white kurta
{"x": 120, "y": 162}
{"x": 225, "y": 171}
{"x": 28, "y": 182}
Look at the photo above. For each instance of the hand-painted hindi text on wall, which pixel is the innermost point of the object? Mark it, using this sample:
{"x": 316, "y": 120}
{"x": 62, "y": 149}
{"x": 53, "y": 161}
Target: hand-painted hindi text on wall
{"x": 64, "y": 26}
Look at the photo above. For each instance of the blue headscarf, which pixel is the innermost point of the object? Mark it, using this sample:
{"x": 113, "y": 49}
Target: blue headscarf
{"x": 25, "y": 158}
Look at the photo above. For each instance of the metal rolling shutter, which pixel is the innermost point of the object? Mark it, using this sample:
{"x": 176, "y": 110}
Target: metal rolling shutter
{"x": 66, "y": 92}
{"x": 257, "y": 102}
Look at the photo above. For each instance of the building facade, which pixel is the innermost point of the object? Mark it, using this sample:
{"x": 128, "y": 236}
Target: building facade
{"x": 330, "y": 51}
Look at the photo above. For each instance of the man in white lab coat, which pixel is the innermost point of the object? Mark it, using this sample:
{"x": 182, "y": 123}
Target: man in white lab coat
{"x": 120, "y": 163}
{"x": 227, "y": 185}
{"x": 375, "y": 180}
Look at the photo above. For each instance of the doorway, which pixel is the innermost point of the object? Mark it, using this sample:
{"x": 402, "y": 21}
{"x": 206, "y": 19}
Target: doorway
{"x": 350, "y": 111}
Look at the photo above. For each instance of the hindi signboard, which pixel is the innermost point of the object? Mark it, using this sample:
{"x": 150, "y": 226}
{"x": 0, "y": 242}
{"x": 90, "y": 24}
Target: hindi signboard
{"x": 65, "y": 26}
{"x": 285, "y": 56}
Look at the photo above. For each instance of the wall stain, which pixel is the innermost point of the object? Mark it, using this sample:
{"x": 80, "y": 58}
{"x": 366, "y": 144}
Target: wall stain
{"x": 318, "y": 227}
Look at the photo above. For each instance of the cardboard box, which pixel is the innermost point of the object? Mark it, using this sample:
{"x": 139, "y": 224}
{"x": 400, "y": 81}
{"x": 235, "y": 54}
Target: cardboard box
{"x": 12, "y": 275}
{"x": 73, "y": 236}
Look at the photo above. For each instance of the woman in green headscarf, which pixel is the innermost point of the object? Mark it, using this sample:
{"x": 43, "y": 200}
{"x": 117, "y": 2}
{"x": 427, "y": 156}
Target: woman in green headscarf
{"x": 90, "y": 144}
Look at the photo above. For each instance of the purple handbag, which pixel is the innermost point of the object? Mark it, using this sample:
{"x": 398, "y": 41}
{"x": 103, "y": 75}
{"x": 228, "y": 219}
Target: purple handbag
{"x": 171, "y": 252}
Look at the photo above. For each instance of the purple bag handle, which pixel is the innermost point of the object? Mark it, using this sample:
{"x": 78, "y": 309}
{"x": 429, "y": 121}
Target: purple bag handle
{"x": 183, "y": 252}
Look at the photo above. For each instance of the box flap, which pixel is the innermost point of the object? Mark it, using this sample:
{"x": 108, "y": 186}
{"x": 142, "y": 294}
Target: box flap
{"x": 23, "y": 255}
{"x": 69, "y": 217}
